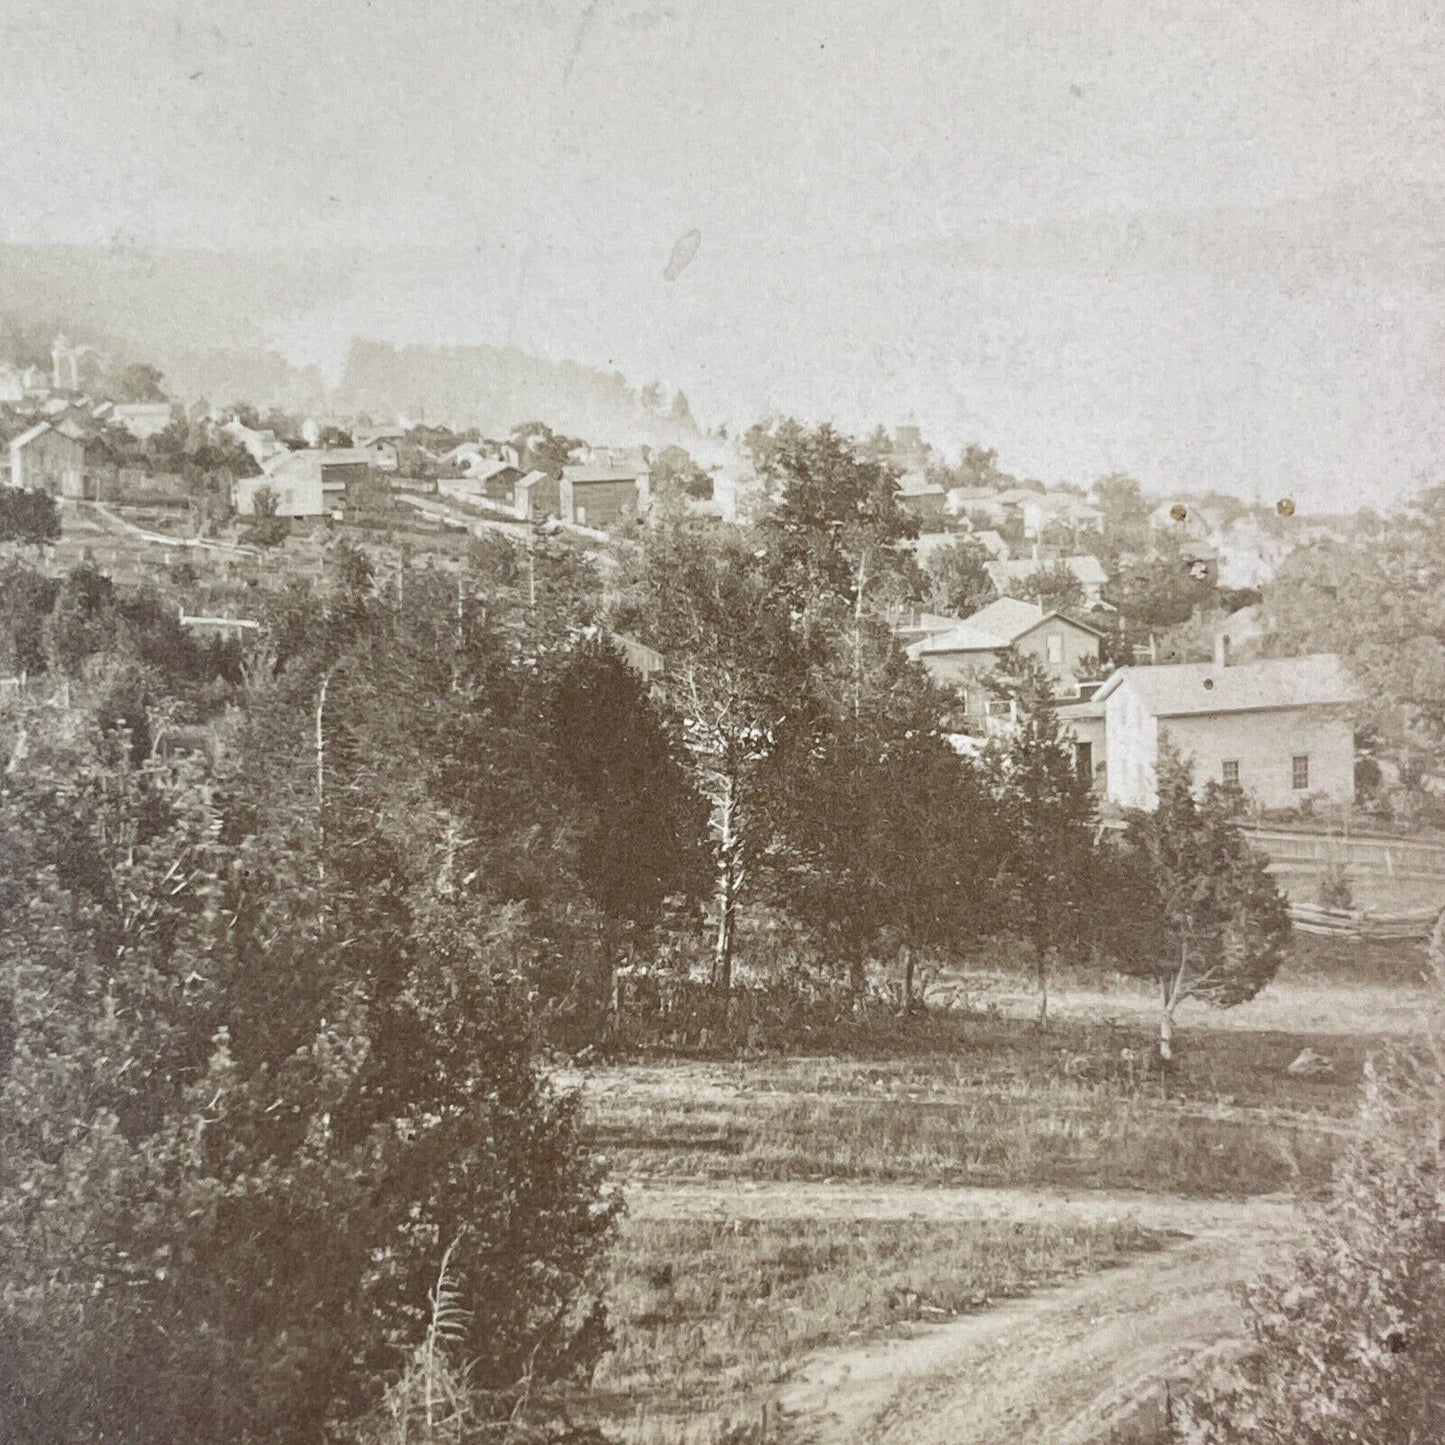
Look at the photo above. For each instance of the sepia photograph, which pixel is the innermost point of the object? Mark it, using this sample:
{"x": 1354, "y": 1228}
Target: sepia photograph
{"x": 722, "y": 723}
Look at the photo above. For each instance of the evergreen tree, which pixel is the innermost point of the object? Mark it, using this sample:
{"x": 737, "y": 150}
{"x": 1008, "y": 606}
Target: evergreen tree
{"x": 1222, "y": 925}
{"x": 1046, "y": 806}
{"x": 265, "y": 1058}
{"x": 640, "y": 825}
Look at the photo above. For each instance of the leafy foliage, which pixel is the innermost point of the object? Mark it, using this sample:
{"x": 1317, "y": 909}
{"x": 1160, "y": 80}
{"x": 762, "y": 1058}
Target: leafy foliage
{"x": 265, "y": 1053}
{"x": 958, "y": 584}
{"x": 1222, "y": 924}
{"x": 1379, "y": 601}
{"x": 1347, "y": 1339}
{"x": 28, "y": 517}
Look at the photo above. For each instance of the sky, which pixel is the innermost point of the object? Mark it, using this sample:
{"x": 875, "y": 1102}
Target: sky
{"x": 1199, "y": 242}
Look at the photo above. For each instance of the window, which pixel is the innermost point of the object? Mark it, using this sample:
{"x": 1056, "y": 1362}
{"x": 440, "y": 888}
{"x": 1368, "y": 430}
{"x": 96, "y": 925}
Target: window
{"x": 1056, "y": 648}
{"x": 1300, "y": 771}
{"x": 1231, "y": 772}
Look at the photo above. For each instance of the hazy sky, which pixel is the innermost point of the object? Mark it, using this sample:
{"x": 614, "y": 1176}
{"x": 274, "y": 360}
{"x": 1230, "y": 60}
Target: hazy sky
{"x": 859, "y": 172}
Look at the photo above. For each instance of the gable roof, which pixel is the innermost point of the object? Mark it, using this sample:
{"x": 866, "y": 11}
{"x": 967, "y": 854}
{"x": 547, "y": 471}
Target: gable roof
{"x": 993, "y": 628}
{"x": 914, "y": 486}
{"x": 585, "y": 472}
{"x": 1191, "y": 688}
{"x": 312, "y": 460}
{"x": 489, "y": 468}
{"x": 26, "y": 437}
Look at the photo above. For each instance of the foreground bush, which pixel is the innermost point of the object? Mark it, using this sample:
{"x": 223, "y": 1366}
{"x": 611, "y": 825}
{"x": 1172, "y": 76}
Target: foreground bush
{"x": 253, "y": 1087}
{"x": 1348, "y": 1344}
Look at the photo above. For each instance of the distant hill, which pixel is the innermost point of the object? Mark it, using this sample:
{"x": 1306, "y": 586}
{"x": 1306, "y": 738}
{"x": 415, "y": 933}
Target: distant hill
{"x": 496, "y": 388}
{"x": 163, "y": 302}
{"x": 206, "y": 319}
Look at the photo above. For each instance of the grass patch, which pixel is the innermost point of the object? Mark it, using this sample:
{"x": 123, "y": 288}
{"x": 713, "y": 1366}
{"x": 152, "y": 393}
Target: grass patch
{"x": 712, "y": 1316}
{"x": 1078, "y": 1107}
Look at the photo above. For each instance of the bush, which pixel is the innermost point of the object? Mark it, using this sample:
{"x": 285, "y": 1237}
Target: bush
{"x": 1348, "y": 1343}
{"x": 249, "y": 1094}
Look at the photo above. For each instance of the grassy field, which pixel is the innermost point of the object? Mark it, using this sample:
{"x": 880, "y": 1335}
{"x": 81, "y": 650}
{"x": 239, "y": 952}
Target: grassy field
{"x": 1081, "y": 1105}
{"x": 711, "y": 1315}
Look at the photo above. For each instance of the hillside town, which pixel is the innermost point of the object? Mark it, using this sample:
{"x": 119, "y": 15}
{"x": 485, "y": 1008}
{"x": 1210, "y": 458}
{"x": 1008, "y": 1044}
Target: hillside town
{"x": 722, "y": 724}
{"x": 1147, "y": 616}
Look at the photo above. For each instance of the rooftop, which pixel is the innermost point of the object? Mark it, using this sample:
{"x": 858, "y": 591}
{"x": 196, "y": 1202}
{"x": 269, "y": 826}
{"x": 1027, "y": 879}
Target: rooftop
{"x": 1191, "y": 688}
{"x": 991, "y": 628}
{"x": 601, "y": 472}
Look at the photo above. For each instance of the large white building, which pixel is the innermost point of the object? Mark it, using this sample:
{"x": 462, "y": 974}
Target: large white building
{"x": 1278, "y": 728}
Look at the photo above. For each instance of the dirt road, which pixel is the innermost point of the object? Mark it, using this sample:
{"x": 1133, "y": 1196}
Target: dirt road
{"x": 1058, "y": 1368}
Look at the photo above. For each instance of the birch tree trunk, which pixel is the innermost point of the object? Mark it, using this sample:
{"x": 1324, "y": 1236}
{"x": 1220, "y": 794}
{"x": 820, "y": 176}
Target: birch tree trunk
{"x": 1173, "y": 992}
{"x": 729, "y": 855}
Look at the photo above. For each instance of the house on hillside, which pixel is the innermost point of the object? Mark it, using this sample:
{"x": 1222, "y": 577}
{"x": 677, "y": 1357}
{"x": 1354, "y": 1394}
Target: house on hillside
{"x": 992, "y": 543}
{"x": 12, "y": 385}
{"x": 1179, "y": 517}
{"x": 538, "y": 496}
{"x": 917, "y": 626}
{"x": 1009, "y": 578}
{"x": 921, "y": 499}
{"x": 261, "y": 445}
{"x": 925, "y": 544}
{"x": 1277, "y": 728}
{"x": 49, "y": 457}
{"x": 382, "y": 443}
{"x": 492, "y": 481}
{"x": 1059, "y": 509}
{"x": 314, "y": 482}
{"x": 1249, "y": 554}
{"x": 964, "y": 655}
{"x": 1239, "y": 636}
{"x": 603, "y": 495}
{"x": 1082, "y": 725}
{"x": 143, "y": 419}
{"x": 977, "y": 501}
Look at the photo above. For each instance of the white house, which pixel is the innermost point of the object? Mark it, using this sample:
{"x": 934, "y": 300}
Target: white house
{"x": 313, "y": 482}
{"x": 143, "y": 419}
{"x": 1046, "y": 509}
{"x": 1277, "y": 728}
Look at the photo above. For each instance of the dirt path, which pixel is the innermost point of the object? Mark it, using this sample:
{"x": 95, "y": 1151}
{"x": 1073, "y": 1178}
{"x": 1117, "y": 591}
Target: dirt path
{"x": 1060, "y": 1367}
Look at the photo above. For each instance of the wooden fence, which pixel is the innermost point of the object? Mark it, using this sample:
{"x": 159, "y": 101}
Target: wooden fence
{"x": 1363, "y": 923}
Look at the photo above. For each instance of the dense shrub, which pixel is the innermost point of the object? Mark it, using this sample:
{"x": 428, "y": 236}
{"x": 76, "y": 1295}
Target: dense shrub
{"x": 1347, "y": 1343}
{"x": 252, "y": 1087}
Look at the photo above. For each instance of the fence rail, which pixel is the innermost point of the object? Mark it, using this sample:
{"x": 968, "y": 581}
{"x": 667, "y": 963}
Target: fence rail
{"x": 1359, "y": 852}
{"x": 1412, "y": 924}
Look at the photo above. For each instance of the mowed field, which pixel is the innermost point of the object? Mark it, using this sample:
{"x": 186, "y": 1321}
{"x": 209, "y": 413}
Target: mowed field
{"x": 961, "y": 1227}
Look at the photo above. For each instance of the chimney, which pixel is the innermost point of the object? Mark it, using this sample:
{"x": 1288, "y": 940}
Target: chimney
{"x": 1221, "y": 649}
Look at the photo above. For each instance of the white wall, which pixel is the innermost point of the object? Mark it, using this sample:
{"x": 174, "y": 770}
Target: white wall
{"x": 1264, "y": 743}
{"x": 1131, "y": 746}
